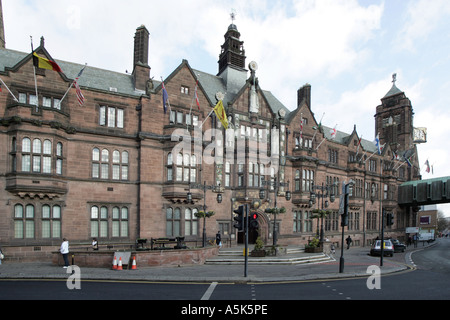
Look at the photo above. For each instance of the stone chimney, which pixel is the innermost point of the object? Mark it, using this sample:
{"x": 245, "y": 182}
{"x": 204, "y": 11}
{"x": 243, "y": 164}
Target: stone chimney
{"x": 141, "y": 69}
{"x": 304, "y": 94}
{"x": 2, "y": 27}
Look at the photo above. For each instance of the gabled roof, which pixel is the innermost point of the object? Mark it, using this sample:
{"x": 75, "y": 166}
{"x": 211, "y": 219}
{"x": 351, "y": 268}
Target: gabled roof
{"x": 93, "y": 78}
{"x": 342, "y": 138}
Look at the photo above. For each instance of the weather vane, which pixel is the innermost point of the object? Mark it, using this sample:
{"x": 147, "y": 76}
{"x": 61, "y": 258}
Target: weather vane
{"x": 394, "y": 78}
{"x": 233, "y": 15}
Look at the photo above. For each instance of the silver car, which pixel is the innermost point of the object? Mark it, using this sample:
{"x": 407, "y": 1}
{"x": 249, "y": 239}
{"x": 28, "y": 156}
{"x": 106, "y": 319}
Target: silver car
{"x": 388, "y": 249}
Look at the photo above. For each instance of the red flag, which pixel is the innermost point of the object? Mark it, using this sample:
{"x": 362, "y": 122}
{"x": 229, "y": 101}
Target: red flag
{"x": 196, "y": 96}
{"x": 80, "y": 96}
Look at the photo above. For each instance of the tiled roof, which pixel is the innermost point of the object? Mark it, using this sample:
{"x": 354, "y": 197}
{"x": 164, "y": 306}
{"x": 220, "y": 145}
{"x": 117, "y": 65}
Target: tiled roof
{"x": 92, "y": 77}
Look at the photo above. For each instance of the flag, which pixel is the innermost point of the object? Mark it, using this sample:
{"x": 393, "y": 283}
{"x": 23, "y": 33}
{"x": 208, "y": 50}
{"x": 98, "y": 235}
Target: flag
{"x": 408, "y": 161}
{"x": 427, "y": 164}
{"x": 81, "y": 72}
{"x": 395, "y": 156}
{"x": 319, "y": 126}
{"x": 301, "y": 127}
{"x": 221, "y": 114}
{"x": 196, "y": 96}
{"x": 359, "y": 144}
{"x": 165, "y": 97}
{"x": 377, "y": 143}
{"x": 43, "y": 63}
{"x": 80, "y": 96}
{"x": 333, "y": 133}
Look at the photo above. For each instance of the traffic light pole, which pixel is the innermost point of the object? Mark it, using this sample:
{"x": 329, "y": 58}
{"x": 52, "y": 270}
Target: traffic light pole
{"x": 383, "y": 214}
{"x": 246, "y": 240}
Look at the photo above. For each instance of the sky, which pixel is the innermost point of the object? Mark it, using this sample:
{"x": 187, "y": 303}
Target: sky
{"x": 346, "y": 49}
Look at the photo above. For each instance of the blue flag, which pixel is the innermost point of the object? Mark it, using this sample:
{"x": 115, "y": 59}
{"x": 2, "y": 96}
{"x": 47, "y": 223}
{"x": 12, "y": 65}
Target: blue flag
{"x": 165, "y": 97}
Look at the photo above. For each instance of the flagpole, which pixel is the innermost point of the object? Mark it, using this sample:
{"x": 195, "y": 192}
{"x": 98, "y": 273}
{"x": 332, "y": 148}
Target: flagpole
{"x": 209, "y": 114}
{"x": 381, "y": 148}
{"x": 15, "y": 99}
{"x": 320, "y": 144}
{"x": 168, "y": 100}
{"x": 192, "y": 102}
{"x": 35, "y": 81}
{"x": 67, "y": 91}
{"x": 318, "y": 127}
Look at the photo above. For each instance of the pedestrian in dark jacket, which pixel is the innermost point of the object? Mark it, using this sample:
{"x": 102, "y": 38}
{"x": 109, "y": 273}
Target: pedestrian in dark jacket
{"x": 348, "y": 241}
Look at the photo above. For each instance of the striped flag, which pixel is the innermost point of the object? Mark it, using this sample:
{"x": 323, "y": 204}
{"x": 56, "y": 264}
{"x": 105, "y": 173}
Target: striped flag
{"x": 80, "y": 96}
{"x": 43, "y": 63}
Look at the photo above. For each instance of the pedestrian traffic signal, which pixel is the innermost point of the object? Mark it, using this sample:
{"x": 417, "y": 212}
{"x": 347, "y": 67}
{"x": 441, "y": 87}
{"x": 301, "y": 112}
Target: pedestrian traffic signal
{"x": 254, "y": 224}
{"x": 389, "y": 219}
{"x": 239, "y": 218}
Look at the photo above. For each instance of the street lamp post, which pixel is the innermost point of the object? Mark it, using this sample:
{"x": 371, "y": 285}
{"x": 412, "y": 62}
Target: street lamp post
{"x": 276, "y": 184}
{"x": 344, "y": 220}
{"x": 204, "y": 187}
{"x": 329, "y": 193}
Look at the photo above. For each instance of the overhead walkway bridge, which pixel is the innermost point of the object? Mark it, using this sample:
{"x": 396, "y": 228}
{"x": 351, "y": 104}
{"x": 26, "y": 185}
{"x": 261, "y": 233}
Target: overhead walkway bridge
{"x": 424, "y": 192}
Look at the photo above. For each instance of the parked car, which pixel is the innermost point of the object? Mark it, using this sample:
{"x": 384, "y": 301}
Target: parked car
{"x": 398, "y": 246}
{"x": 388, "y": 249}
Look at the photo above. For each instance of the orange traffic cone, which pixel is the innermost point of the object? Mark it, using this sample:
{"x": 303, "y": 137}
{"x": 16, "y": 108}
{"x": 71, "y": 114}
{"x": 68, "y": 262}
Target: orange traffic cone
{"x": 133, "y": 266}
{"x": 119, "y": 266}
{"x": 114, "y": 263}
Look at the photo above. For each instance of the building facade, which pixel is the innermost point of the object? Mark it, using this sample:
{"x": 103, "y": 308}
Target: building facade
{"x": 120, "y": 166}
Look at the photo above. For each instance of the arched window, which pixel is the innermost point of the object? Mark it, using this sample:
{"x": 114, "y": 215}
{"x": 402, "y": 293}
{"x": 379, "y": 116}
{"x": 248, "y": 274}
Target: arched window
{"x": 24, "y": 222}
{"x": 51, "y": 221}
{"x": 173, "y": 221}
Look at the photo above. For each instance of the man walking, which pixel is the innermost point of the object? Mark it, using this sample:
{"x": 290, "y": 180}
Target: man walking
{"x": 349, "y": 241}
{"x": 65, "y": 252}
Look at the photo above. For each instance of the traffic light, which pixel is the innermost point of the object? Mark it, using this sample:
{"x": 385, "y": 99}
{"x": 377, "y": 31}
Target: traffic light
{"x": 239, "y": 219}
{"x": 389, "y": 219}
{"x": 344, "y": 216}
{"x": 254, "y": 224}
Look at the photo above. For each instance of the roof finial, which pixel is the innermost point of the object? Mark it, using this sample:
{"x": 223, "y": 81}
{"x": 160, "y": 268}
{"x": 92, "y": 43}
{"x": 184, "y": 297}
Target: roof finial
{"x": 233, "y": 15}
{"x": 394, "y": 78}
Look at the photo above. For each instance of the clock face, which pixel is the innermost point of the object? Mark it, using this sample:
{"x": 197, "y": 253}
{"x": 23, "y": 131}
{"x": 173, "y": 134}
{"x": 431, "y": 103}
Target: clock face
{"x": 253, "y": 66}
{"x": 420, "y": 135}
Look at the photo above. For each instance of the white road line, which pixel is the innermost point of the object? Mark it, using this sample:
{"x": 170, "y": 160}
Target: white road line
{"x": 209, "y": 292}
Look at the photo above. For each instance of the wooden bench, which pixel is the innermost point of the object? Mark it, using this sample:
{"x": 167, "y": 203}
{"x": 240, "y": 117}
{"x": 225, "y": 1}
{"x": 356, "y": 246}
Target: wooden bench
{"x": 160, "y": 243}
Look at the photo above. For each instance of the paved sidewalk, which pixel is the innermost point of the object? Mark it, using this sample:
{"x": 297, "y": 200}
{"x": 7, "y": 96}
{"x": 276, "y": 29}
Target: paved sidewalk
{"x": 356, "y": 262}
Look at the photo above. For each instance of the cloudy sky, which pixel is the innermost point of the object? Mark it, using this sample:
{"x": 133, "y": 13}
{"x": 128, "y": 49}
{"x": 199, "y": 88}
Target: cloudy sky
{"x": 346, "y": 49}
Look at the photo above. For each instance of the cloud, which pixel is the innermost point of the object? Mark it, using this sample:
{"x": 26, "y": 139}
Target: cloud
{"x": 311, "y": 39}
{"x": 421, "y": 19}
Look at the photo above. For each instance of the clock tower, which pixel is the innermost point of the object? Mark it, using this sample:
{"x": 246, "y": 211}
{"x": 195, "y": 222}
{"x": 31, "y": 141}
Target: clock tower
{"x": 394, "y": 120}
{"x": 233, "y": 53}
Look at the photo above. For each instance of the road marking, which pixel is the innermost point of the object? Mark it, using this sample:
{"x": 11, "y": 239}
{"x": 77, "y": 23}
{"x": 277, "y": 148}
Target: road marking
{"x": 209, "y": 292}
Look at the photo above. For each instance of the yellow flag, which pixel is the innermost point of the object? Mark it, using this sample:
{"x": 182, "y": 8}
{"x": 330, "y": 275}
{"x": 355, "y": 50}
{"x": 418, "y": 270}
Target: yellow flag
{"x": 221, "y": 114}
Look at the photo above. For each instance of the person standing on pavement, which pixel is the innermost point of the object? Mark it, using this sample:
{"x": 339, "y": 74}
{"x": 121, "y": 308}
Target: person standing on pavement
{"x": 349, "y": 241}
{"x": 219, "y": 239}
{"x": 94, "y": 244}
{"x": 65, "y": 252}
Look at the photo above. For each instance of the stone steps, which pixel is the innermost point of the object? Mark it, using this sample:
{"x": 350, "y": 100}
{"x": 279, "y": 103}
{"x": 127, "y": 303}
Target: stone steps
{"x": 293, "y": 256}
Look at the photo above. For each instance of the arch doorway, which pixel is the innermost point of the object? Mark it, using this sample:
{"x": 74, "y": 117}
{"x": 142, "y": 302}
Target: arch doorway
{"x": 253, "y": 234}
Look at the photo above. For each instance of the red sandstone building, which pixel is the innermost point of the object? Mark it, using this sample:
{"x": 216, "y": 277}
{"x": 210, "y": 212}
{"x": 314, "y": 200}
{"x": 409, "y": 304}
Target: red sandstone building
{"x": 110, "y": 168}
